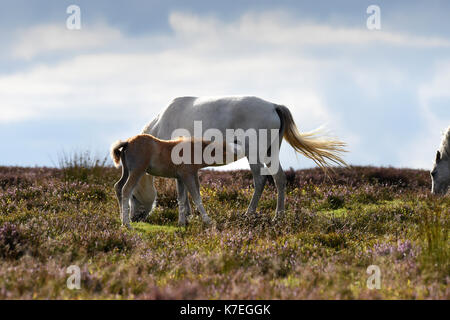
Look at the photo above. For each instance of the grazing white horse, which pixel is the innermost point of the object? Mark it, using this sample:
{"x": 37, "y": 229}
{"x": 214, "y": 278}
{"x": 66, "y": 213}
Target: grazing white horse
{"x": 440, "y": 173}
{"x": 235, "y": 113}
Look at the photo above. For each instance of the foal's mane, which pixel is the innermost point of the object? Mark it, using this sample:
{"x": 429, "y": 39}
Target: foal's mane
{"x": 445, "y": 144}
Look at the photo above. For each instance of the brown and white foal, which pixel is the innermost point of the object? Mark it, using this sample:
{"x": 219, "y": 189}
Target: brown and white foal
{"x": 146, "y": 154}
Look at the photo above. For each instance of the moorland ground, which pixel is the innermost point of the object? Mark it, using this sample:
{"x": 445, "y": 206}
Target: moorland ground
{"x": 334, "y": 229}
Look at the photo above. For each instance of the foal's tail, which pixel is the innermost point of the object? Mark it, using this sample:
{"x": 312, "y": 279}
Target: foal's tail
{"x": 320, "y": 150}
{"x": 115, "y": 151}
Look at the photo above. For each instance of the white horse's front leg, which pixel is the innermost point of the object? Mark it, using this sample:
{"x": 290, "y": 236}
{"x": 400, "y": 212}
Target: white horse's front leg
{"x": 182, "y": 200}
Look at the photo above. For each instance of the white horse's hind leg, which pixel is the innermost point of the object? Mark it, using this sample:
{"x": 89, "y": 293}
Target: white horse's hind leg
{"x": 184, "y": 208}
{"x": 280, "y": 182}
{"x": 259, "y": 181}
{"x": 193, "y": 186}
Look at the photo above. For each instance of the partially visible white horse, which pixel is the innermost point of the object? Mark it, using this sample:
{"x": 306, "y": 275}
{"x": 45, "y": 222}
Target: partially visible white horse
{"x": 440, "y": 173}
{"x": 234, "y": 113}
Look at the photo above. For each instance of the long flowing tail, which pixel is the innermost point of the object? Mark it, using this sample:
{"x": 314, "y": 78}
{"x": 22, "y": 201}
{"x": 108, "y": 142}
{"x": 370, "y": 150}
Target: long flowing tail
{"x": 115, "y": 151}
{"x": 319, "y": 149}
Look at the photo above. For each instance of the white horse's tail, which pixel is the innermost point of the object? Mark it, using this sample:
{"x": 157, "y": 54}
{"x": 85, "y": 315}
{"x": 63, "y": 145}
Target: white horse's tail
{"x": 115, "y": 151}
{"x": 319, "y": 149}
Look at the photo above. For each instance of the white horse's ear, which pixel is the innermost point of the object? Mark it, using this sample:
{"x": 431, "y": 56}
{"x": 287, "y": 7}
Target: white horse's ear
{"x": 438, "y": 156}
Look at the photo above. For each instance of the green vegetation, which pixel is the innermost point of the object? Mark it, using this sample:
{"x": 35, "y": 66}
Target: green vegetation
{"x": 333, "y": 230}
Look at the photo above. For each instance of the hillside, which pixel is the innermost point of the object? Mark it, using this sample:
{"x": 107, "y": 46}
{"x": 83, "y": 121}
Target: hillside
{"x": 334, "y": 229}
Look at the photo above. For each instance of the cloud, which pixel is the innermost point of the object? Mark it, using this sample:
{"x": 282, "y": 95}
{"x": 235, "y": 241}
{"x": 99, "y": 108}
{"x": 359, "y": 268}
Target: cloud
{"x": 281, "y": 29}
{"x": 87, "y": 84}
{"x": 51, "y": 38}
{"x": 434, "y": 102}
{"x": 134, "y": 81}
{"x": 105, "y": 74}
{"x": 438, "y": 87}
{"x": 274, "y": 30}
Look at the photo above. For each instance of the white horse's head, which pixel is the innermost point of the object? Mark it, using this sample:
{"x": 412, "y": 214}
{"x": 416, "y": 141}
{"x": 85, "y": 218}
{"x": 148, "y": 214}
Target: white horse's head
{"x": 144, "y": 199}
{"x": 440, "y": 173}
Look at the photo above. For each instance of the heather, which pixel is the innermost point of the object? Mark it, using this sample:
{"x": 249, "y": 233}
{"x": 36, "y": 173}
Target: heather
{"x": 334, "y": 228}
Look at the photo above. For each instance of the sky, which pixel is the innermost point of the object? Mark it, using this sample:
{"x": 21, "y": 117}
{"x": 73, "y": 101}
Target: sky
{"x": 386, "y": 92}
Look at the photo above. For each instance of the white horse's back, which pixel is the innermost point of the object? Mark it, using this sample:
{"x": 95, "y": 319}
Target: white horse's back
{"x": 215, "y": 112}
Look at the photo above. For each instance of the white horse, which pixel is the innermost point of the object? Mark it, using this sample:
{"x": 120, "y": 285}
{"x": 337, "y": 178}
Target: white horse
{"x": 234, "y": 113}
{"x": 440, "y": 173}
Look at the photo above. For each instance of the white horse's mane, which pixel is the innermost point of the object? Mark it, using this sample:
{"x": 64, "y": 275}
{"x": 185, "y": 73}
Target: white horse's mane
{"x": 445, "y": 144}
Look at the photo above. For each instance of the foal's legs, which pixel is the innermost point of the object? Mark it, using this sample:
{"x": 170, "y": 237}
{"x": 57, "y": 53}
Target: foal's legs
{"x": 193, "y": 186}
{"x": 259, "y": 181}
{"x": 184, "y": 208}
{"x": 119, "y": 185}
{"x": 127, "y": 190}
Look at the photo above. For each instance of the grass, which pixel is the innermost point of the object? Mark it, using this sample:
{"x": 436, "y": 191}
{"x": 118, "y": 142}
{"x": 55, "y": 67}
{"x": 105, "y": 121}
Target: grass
{"x": 333, "y": 230}
{"x": 82, "y": 166}
{"x": 151, "y": 229}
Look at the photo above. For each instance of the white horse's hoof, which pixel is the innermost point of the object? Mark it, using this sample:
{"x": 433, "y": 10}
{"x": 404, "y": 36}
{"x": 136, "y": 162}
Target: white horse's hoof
{"x": 189, "y": 218}
{"x": 207, "y": 220}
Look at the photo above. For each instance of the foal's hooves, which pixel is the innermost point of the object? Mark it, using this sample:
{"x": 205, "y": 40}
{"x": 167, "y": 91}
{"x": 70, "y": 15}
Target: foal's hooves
{"x": 250, "y": 214}
{"x": 127, "y": 226}
{"x": 279, "y": 216}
